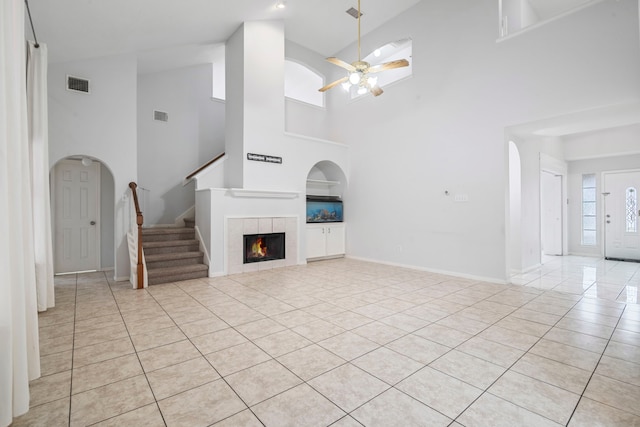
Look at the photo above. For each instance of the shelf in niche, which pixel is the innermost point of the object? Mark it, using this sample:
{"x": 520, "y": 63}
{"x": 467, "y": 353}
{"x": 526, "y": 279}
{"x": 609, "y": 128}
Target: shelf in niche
{"x": 322, "y": 182}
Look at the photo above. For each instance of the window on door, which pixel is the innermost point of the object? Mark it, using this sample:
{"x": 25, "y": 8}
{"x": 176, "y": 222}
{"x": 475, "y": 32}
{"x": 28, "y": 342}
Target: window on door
{"x": 631, "y": 198}
{"x": 589, "y": 210}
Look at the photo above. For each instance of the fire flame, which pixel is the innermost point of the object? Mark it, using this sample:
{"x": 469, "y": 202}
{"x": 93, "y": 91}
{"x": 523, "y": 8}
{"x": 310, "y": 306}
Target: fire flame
{"x": 257, "y": 250}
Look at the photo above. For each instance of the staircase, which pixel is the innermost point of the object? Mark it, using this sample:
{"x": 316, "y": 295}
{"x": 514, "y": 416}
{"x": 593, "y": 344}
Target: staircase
{"x": 172, "y": 254}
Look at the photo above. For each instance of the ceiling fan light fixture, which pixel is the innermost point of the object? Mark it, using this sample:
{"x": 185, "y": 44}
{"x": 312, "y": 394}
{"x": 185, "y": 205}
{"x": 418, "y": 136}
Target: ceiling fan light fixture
{"x": 359, "y": 71}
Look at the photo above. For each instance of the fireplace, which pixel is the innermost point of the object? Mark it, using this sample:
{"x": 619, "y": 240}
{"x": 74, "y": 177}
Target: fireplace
{"x": 263, "y": 247}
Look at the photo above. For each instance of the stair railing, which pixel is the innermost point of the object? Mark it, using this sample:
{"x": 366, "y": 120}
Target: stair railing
{"x": 137, "y": 235}
{"x": 203, "y": 167}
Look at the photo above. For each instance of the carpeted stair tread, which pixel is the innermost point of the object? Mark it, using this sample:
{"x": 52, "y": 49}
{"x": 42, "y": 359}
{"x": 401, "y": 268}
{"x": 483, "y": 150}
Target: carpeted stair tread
{"x": 177, "y": 274}
{"x": 173, "y": 233}
{"x": 165, "y": 243}
{"x": 167, "y": 230}
{"x": 171, "y": 256}
{"x": 172, "y": 271}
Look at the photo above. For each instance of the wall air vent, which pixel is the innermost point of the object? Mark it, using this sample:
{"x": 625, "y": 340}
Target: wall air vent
{"x": 77, "y": 84}
{"x": 160, "y": 116}
{"x": 354, "y": 12}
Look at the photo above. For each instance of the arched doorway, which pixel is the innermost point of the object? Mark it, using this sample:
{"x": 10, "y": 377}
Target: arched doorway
{"x": 514, "y": 249}
{"x": 82, "y": 207}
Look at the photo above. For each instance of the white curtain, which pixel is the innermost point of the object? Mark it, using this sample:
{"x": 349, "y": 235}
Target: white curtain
{"x": 19, "y": 351}
{"x": 39, "y": 154}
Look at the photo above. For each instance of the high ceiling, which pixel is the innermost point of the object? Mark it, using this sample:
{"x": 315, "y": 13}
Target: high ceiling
{"x": 177, "y": 29}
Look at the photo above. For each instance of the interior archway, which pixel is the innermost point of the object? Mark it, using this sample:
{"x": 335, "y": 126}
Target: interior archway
{"x": 515, "y": 210}
{"x": 104, "y": 217}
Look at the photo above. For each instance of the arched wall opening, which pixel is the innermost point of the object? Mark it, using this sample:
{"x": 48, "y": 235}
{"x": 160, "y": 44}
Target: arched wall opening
{"x": 514, "y": 249}
{"x": 79, "y": 245}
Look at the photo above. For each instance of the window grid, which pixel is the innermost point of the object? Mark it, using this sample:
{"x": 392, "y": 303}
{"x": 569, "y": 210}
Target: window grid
{"x": 631, "y": 204}
{"x": 589, "y": 210}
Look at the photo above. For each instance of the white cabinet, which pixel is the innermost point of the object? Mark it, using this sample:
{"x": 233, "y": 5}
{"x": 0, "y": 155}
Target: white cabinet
{"x": 324, "y": 240}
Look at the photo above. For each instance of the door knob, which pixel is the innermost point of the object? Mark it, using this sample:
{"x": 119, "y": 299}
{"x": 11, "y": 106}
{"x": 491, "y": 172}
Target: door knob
{"x": 92, "y": 223}
{"x": 608, "y": 216}
{"x": 608, "y": 222}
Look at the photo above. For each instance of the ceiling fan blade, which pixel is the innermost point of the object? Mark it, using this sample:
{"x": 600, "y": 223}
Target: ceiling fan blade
{"x": 389, "y": 66}
{"x": 336, "y": 83}
{"x": 341, "y": 63}
{"x": 376, "y": 91}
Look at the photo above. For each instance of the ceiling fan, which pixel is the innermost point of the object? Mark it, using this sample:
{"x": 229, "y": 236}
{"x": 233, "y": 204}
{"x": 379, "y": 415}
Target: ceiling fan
{"x": 360, "y": 71}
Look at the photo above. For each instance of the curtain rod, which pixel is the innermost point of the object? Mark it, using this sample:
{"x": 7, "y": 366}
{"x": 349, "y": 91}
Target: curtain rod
{"x": 33, "y": 30}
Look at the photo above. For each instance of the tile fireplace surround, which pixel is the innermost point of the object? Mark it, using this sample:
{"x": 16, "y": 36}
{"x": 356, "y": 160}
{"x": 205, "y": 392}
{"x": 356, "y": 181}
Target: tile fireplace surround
{"x": 238, "y": 227}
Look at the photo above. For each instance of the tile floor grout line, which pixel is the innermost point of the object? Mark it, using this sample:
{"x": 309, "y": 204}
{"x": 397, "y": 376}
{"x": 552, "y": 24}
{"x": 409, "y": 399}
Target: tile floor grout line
{"x": 486, "y": 390}
{"x": 595, "y": 367}
{"x": 135, "y": 350}
{"x": 73, "y": 346}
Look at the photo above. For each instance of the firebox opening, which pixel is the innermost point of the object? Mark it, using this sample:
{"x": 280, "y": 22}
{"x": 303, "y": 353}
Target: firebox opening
{"x": 263, "y": 247}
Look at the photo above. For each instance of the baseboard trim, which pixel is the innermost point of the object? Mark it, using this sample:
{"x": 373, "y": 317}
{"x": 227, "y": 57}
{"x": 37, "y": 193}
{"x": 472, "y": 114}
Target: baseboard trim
{"x": 434, "y": 270}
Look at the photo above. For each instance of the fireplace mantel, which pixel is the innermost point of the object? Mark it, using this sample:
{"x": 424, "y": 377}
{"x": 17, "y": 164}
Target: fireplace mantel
{"x": 270, "y": 194}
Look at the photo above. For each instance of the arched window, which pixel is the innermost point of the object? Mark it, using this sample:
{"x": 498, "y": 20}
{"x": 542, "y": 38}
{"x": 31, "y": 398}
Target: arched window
{"x": 400, "y": 49}
{"x": 301, "y": 83}
{"x": 631, "y": 211}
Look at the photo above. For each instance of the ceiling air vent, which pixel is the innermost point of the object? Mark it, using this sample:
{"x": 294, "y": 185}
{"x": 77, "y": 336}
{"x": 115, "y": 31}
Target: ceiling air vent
{"x": 160, "y": 116}
{"x": 354, "y": 12}
{"x": 77, "y": 84}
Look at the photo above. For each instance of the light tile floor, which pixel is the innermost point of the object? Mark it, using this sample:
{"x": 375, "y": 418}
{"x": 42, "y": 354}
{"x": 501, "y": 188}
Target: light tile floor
{"x": 345, "y": 343}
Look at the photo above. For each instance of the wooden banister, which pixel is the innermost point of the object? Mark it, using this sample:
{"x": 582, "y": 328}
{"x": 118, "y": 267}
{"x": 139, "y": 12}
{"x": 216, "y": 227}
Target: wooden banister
{"x": 206, "y": 165}
{"x": 139, "y": 221}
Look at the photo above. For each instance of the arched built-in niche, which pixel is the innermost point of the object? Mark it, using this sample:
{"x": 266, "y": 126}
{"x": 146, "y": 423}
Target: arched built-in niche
{"x": 105, "y": 214}
{"x": 326, "y": 179}
{"x": 325, "y": 213}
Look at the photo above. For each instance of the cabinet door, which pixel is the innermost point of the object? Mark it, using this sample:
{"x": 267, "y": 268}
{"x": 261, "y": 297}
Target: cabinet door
{"x": 316, "y": 242}
{"x": 335, "y": 239}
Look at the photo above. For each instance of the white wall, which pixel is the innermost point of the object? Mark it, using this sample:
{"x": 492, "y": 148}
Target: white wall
{"x": 107, "y": 220}
{"x": 443, "y": 129}
{"x": 101, "y": 125}
{"x": 169, "y": 151}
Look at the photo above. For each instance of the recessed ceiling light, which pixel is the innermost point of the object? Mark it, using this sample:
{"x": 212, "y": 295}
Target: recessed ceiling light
{"x": 280, "y": 5}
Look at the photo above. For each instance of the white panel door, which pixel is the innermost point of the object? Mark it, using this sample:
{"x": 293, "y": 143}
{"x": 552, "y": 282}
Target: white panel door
{"x": 551, "y": 213}
{"x": 621, "y": 204}
{"x": 76, "y": 216}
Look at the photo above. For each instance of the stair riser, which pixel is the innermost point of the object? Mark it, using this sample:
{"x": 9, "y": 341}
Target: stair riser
{"x": 167, "y": 237}
{"x": 172, "y": 249}
{"x": 177, "y": 278}
{"x": 174, "y": 262}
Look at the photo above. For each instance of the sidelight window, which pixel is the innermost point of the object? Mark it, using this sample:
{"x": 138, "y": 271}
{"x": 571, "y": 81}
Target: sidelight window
{"x": 589, "y": 210}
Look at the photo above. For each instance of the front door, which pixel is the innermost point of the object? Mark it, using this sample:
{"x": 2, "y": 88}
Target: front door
{"x": 76, "y": 216}
{"x": 621, "y": 206}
